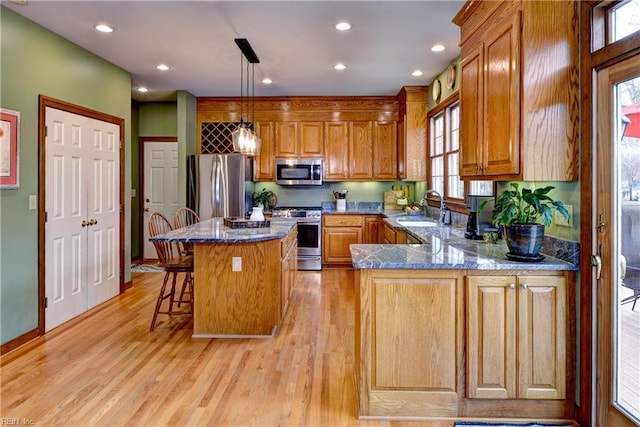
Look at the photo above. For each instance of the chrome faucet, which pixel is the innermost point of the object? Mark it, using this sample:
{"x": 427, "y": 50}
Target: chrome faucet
{"x": 424, "y": 198}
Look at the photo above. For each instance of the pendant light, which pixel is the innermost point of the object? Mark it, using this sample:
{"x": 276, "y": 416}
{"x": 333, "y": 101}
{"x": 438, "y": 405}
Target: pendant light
{"x": 245, "y": 141}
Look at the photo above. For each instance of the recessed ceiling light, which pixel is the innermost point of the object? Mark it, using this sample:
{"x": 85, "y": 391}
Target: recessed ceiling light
{"x": 340, "y": 67}
{"x": 162, "y": 67}
{"x": 437, "y": 48}
{"x": 103, "y": 28}
{"x": 416, "y": 73}
{"x": 267, "y": 81}
{"x": 343, "y": 26}
{"x": 143, "y": 89}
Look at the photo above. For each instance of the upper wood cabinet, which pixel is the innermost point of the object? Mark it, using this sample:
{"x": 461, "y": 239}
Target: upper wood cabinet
{"x": 385, "y": 151}
{"x": 412, "y": 133}
{"x": 311, "y": 139}
{"x": 336, "y": 158}
{"x": 361, "y": 150}
{"x": 264, "y": 164}
{"x": 286, "y": 139}
{"x": 519, "y": 92}
{"x": 299, "y": 139}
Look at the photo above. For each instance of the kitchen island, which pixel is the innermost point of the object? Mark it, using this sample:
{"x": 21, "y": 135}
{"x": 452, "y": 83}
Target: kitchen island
{"x": 452, "y": 329}
{"x": 243, "y": 277}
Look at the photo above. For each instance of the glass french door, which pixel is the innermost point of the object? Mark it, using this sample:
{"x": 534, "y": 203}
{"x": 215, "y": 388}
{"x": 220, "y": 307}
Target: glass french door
{"x": 617, "y": 244}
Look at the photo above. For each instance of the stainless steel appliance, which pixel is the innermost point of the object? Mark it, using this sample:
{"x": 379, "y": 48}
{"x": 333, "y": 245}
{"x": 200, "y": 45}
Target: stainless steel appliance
{"x": 299, "y": 171}
{"x": 479, "y": 221}
{"x": 309, "y": 234}
{"x": 215, "y": 185}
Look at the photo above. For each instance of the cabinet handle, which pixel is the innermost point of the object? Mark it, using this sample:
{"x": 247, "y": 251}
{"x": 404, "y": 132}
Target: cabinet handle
{"x": 525, "y": 286}
{"x": 512, "y": 286}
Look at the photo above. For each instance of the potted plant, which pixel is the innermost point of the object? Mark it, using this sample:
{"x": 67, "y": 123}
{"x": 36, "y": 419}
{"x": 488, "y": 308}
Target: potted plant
{"x": 518, "y": 210}
{"x": 266, "y": 198}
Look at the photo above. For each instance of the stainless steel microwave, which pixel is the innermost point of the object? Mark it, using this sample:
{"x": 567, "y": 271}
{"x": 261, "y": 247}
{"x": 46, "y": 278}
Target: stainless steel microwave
{"x": 299, "y": 171}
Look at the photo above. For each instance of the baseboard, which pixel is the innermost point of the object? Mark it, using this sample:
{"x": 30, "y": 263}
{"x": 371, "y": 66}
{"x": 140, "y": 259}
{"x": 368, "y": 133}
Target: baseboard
{"x": 19, "y": 341}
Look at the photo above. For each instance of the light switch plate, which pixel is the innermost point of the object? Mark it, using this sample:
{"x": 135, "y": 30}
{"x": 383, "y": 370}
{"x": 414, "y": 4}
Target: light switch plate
{"x": 133, "y": 192}
{"x": 33, "y": 202}
{"x": 558, "y": 219}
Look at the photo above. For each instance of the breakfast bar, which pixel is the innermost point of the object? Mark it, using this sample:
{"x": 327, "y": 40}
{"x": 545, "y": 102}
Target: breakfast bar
{"x": 243, "y": 277}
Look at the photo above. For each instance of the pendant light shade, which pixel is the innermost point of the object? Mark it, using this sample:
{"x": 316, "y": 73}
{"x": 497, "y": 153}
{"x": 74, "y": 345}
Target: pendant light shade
{"x": 245, "y": 141}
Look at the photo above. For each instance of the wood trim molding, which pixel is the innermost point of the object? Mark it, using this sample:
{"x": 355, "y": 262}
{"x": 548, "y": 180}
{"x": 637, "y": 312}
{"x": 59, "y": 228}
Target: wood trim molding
{"x": 18, "y": 341}
{"x": 43, "y": 103}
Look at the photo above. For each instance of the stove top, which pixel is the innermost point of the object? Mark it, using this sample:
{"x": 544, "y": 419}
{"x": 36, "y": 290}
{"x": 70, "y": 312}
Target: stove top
{"x": 297, "y": 212}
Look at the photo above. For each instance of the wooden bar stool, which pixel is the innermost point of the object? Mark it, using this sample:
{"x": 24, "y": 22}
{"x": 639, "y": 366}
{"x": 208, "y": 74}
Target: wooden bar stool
{"x": 182, "y": 218}
{"x": 173, "y": 261}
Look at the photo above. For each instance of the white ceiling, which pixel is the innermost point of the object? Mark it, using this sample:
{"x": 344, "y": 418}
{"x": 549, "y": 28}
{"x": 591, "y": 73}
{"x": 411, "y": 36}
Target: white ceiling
{"x": 295, "y": 41}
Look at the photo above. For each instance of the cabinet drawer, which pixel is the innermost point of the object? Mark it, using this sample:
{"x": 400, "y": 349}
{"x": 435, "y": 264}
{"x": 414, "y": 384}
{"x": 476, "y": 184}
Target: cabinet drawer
{"x": 342, "y": 220}
{"x": 389, "y": 234}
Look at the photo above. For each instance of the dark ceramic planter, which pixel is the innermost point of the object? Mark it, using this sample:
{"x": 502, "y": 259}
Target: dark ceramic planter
{"x": 524, "y": 239}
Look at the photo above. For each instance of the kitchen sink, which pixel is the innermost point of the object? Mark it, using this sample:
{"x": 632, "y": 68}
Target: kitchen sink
{"x": 415, "y": 221}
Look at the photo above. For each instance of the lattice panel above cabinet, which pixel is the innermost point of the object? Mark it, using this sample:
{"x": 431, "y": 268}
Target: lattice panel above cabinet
{"x": 216, "y": 137}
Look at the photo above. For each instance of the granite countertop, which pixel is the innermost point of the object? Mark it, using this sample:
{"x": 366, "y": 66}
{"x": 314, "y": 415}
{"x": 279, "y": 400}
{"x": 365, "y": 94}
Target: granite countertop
{"x": 214, "y": 231}
{"x": 444, "y": 248}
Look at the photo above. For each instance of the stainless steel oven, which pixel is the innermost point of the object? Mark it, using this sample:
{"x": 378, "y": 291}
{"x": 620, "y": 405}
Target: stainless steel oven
{"x": 309, "y": 235}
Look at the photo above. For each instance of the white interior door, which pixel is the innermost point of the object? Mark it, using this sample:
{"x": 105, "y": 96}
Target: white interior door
{"x": 160, "y": 185}
{"x": 82, "y": 229}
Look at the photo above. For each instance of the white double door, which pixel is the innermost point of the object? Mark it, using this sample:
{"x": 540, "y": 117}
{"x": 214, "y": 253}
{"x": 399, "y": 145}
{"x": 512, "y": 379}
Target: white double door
{"x": 82, "y": 229}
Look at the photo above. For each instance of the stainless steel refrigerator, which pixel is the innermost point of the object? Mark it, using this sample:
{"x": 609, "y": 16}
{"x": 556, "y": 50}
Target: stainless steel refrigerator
{"x": 216, "y": 185}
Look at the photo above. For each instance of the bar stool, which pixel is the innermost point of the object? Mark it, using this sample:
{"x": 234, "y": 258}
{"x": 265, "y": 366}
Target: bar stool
{"x": 182, "y": 218}
{"x": 173, "y": 261}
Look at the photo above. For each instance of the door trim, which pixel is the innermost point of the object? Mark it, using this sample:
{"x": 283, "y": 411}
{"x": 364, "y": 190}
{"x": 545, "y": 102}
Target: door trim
{"x": 141, "y": 223}
{"x": 43, "y": 103}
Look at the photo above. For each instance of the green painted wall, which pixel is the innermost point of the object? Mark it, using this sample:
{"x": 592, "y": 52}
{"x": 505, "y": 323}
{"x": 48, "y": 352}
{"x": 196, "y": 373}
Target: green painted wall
{"x": 445, "y": 92}
{"x": 187, "y": 136}
{"x": 135, "y": 181}
{"x": 36, "y": 61}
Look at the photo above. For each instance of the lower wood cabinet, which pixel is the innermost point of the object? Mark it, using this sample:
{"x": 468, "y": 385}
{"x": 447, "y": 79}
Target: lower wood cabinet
{"x": 516, "y": 337}
{"x": 392, "y": 236}
{"x": 338, "y": 232}
{"x": 288, "y": 269}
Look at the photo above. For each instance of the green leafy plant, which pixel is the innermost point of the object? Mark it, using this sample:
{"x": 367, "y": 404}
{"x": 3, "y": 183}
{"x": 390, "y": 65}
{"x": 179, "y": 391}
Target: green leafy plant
{"x": 264, "y": 198}
{"x": 525, "y": 206}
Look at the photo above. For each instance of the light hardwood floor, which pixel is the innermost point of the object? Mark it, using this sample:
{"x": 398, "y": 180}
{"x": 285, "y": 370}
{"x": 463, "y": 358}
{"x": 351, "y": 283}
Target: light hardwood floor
{"x": 105, "y": 368}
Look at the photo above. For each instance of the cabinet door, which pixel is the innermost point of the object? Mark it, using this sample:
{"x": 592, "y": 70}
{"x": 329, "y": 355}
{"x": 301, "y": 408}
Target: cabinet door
{"x": 360, "y": 150}
{"x": 415, "y": 141}
{"x": 286, "y": 139}
{"x": 336, "y": 159}
{"x": 471, "y": 113}
{"x": 372, "y": 229}
{"x": 402, "y": 174}
{"x": 264, "y": 164}
{"x": 311, "y": 139}
{"x": 541, "y": 337}
{"x": 491, "y": 337}
{"x": 336, "y": 241}
{"x": 385, "y": 149}
{"x": 501, "y": 124}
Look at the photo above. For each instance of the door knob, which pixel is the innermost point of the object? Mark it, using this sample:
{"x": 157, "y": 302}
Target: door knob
{"x": 147, "y": 200}
{"x": 93, "y": 221}
{"x": 84, "y": 223}
{"x": 146, "y": 209}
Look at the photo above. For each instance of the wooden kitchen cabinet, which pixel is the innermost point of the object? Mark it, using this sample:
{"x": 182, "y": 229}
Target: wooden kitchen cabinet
{"x": 288, "y": 270}
{"x": 336, "y": 158}
{"x": 385, "y": 149}
{"x": 519, "y": 93}
{"x": 264, "y": 163}
{"x": 516, "y": 337}
{"x": 299, "y": 139}
{"x": 286, "y": 139}
{"x": 311, "y": 139}
{"x": 409, "y": 342}
{"x": 412, "y": 133}
{"x": 372, "y": 229}
{"x": 392, "y": 236}
{"x": 361, "y": 150}
{"x": 338, "y": 232}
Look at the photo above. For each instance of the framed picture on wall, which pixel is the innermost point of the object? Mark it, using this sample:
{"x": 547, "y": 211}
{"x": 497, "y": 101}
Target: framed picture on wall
{"x": 9, "y": 146}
